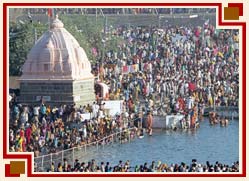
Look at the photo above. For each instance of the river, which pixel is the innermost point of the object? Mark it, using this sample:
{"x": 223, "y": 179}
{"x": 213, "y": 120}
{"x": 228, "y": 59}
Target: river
{"x": 208, "y": 143}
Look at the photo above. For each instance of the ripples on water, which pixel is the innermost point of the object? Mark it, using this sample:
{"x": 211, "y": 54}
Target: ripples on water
{"x": 208, "y": 143}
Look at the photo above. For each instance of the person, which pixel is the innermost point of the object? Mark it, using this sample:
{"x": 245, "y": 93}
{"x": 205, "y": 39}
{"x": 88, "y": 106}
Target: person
{"x": 52, "y": 168}
{"x": 102, "y": 167}
{"x": 152, "y": 167}
{"x": 28, "y": 133}
{"x": 149, "y": 123}
{"x": 43, "y": 110}
{"x": 226, "y": 121}
{"x": 136, "y": 168}
{"x": 140, "y": 118}
{"x": 95, "y": 109}
{"x": 107, "y": 167}
{"x": 59, "y": 168}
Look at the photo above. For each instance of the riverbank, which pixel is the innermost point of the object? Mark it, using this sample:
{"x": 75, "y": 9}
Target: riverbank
{"x": 168, "y": 146}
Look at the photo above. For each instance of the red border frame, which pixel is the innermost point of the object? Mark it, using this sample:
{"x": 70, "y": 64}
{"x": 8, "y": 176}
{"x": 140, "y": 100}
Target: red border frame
{"x": 29, "y": 156}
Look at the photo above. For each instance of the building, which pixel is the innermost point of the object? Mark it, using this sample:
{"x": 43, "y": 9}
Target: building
{"x": 57, "y": 70}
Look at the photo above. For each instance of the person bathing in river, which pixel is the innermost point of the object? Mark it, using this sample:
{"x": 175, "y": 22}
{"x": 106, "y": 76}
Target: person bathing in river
{"x": 213, "y": 118}
{"x": 224, "y": 122}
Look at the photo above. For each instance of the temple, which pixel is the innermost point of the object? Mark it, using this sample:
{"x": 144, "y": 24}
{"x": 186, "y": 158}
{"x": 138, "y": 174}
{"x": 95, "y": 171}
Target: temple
{"x": 57, "y": 70}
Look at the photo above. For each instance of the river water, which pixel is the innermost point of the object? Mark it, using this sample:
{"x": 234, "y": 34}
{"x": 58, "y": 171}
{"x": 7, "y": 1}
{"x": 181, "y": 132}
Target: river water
{"x": 208, "y": 143}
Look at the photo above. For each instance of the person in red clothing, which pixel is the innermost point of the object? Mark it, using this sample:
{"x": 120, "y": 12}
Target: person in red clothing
{"x": 28, "y": 133}
{"x": 181, "y": 103}
{"x": 22, "y": 133}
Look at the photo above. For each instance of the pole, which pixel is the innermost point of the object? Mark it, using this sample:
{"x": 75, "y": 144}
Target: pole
{"x": 62, "y": 156}
{"x": 43, "y": 161}
{"x": 96, "y": 15}
{"x": 35, "y": 33}
{"x": 51, "y": 159}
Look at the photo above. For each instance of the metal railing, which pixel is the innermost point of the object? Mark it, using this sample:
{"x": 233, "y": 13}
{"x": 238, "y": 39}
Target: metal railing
{"x": 43, "y": 163}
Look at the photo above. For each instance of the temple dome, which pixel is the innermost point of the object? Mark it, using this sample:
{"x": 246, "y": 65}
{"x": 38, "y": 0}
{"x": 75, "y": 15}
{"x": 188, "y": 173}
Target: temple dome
{"x": 56, "y": 55}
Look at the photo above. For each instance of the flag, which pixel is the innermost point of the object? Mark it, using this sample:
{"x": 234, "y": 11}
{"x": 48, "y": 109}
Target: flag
{"x": 50, "y": 12}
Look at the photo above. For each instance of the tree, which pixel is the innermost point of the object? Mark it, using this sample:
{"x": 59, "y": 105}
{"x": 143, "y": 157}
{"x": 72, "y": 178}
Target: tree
{"x": 21, "y": 40}
{"x": 87, "y": 31}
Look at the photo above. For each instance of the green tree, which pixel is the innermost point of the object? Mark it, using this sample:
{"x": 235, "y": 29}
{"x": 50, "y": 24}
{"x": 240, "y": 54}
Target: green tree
{"x": 21, "y": 40}
{"x": 87, "y": 31}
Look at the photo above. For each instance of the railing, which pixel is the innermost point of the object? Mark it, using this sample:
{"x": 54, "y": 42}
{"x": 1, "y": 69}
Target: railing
{"x": 43, "y": 163}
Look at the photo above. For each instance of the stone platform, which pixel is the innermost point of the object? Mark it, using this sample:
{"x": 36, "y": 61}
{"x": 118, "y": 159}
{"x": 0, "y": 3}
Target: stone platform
{"x": 58, "y": 92}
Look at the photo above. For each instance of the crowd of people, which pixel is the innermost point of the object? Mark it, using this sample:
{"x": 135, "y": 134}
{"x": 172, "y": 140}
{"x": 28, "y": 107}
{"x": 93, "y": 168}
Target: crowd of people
{"x": 175, "y": 70}
{"x": 44, "y": 129}
{"x": 92, "y": 166}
